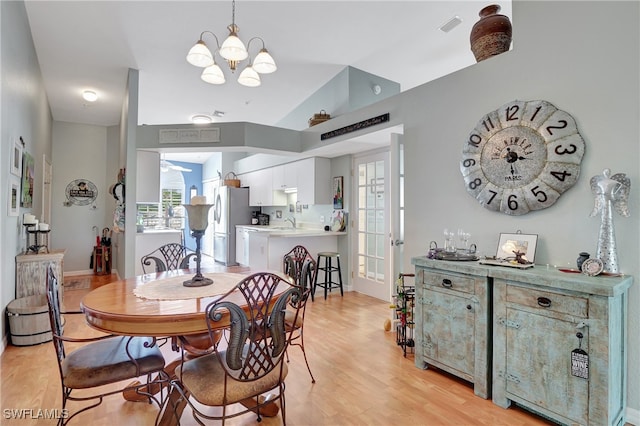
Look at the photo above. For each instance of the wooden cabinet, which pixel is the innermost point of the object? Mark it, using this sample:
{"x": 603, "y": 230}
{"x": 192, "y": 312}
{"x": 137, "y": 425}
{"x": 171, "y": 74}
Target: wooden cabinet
{"x": 540, "y": 319}
{"x": 31, "y": 272}
{"x": 452, "y": 324}
{"x": 314, "y": 181}
{"x": 559, "y": 339}
{"x": 148, "y": 177}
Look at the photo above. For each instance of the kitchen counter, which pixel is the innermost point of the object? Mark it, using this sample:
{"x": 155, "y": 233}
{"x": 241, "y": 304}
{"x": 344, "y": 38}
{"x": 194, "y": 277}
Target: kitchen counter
{"x": 287, "y": 231}
{"x": 263, "y": 247}
{"x": 160, "y": 231}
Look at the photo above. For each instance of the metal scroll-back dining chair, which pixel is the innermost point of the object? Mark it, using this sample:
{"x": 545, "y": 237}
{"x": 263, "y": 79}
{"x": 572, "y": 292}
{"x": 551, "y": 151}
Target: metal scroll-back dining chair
{"x": 303, "y": 276}
{"x": 293, "y": 261}
{"x": 102, "y": 360}
{"x": 167, "y": 258}
{"x": 250, "y": 360}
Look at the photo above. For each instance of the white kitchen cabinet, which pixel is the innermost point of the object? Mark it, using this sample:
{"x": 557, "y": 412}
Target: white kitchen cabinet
{"x": 261, "y": 191}
{"x": 314, "y": 181}
{"x": 285, "y": 176}
{"x": 148, "y": 177}
{"x": 242, "y": 246}
{"x": 258, "y": 249}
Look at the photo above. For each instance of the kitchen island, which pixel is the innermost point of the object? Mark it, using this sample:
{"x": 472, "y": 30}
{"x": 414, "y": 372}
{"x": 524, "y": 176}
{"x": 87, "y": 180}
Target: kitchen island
{"x": 262, "y": 247}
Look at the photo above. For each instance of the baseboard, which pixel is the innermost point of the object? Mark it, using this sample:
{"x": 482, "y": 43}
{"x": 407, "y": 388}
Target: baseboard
{"x": 633, "y": 416}
{"x": 74, "y": 273}
{"x": 87, "y": 272}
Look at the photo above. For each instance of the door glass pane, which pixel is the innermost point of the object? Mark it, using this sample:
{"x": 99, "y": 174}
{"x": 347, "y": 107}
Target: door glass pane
{"x": 371, "y": 216}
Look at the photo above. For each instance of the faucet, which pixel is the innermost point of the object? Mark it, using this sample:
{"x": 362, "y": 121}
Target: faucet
{"x": 292, "y": 220}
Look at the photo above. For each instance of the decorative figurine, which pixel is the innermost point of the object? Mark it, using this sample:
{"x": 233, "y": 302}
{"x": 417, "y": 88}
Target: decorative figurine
{"x": 609, "y": 190}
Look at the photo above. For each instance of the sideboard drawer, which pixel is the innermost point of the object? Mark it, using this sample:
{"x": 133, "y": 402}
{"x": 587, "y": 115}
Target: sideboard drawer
{"x": 464, "y": 284}
{"x": 548, "y": 301}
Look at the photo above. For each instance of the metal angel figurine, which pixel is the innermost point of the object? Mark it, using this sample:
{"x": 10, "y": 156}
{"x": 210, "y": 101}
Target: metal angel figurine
{"x": 609, "y": 190}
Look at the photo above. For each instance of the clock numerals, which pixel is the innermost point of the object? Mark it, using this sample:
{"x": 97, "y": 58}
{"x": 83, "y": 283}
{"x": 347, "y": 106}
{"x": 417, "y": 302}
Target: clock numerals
{"x": 511, "y": 114}
{"x": 469, "y": 165}
{"x": 522, "y": 157}
{"x": 536, "y": 112}
{"x": 475, "y": 182}
{"x": 559, "y": 125}
{"x": 514, "y": 202}
{"x": 539, "y": 195}
{"x": 560, "y": 176}
{"x": 490, "y": 197}
{"x": 566, "y": 150}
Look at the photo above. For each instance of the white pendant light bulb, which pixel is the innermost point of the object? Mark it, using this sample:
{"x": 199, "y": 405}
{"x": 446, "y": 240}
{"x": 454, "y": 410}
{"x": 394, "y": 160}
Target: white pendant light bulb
{"x": 264, "y": 63}
{"x": 213, "y": 75}
{"x": 233, "y": 48}
{"x": 249, "y": 77}
{"x": 200, "y": 55}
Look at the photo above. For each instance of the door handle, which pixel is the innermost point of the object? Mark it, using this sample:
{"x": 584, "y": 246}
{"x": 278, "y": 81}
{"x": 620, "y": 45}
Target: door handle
{"x": 397, "y": 242}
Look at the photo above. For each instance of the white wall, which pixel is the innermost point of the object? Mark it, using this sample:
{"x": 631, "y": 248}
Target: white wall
{"x": 24, "y": 111}
{"x": 565, "y": 53}
{"x": 79, "y": 152}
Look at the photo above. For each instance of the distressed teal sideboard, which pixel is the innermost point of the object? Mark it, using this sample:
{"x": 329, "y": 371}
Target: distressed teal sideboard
{"x": 558, "y": 340}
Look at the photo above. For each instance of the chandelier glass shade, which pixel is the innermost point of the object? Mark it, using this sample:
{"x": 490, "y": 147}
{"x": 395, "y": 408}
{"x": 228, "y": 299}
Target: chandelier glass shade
{"x": 233, "y": 51}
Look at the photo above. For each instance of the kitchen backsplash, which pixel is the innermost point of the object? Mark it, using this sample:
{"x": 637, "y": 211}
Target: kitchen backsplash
{"x": 308, "y": 217}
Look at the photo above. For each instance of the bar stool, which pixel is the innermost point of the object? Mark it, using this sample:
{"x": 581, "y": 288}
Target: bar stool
{"x": 324, "y": 264}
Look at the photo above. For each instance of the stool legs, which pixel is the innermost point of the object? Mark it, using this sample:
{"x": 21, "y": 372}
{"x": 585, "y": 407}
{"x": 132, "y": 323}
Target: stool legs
{"x": 328, "y": 269}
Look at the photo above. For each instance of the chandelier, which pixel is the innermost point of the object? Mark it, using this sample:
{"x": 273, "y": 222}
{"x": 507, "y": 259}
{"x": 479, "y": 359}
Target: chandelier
{"x": 233, "y": 51}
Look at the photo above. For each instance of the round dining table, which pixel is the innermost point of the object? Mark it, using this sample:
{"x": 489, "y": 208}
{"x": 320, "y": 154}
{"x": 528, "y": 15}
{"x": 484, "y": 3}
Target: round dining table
{"x": 157, "y": 305}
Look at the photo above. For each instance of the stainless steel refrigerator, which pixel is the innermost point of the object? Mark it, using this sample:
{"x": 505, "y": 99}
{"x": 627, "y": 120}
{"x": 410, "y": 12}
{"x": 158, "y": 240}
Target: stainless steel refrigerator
{"x": 231, "y": 208}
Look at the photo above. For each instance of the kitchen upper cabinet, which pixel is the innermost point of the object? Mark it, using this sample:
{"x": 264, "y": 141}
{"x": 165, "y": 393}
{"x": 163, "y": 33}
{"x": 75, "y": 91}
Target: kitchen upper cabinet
{"x": 314, "y": 181}
{"x": 148, "y": 177}
{"x": 261, "y": 191}
{"x": 285, "y": 177}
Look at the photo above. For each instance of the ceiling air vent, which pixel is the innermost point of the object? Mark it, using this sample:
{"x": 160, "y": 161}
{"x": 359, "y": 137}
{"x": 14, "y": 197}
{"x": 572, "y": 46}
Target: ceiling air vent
{"x": 189, "y": 135}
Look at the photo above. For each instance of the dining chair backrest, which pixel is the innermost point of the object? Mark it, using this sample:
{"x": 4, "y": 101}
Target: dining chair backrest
{"x": 257, "y": 337}
{"x": 55, "y": 316}
{"x": 167, "y": 258}
{"x": 294, "y": 260}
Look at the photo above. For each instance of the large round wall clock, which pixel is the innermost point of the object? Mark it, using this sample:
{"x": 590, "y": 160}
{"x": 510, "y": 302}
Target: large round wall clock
{"x": 522, "y": 157}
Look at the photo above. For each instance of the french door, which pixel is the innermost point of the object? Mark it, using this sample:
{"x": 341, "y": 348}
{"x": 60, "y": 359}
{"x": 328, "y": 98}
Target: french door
{"x": 371, "y": 225}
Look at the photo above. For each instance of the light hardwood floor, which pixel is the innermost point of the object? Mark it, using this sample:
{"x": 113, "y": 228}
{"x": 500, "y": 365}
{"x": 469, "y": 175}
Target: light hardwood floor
{"x": 361, "y": 378}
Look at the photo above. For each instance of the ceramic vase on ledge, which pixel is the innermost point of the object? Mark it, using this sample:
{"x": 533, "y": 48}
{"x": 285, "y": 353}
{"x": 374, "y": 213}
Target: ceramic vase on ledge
{"x": 491, "y": 35}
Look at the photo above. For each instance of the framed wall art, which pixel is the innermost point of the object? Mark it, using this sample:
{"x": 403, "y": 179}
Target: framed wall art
{"x": 517, "y": 245}
{"x": 28, "y": 176}
{"x": 13, "y": 200}
{"x": 338, "y": 192}
{"x": 16, "y": 159}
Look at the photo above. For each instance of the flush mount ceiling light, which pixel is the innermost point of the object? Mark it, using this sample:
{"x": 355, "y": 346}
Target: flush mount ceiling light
{"x": 89, "y": 96}
{"x": 233, "y": 51}
{"x": 201, "y": 119}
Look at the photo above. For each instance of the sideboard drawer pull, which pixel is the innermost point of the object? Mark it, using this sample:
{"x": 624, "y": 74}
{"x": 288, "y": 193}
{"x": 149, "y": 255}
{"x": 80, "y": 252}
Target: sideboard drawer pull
{"x": 447, "y": 283}
{"x": 545, "y": 302}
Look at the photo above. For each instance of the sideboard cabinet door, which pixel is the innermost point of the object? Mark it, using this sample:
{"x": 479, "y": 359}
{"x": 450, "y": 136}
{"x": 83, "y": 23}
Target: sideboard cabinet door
{"x": 536, "y": 328}
{"x": 452, "y": 325}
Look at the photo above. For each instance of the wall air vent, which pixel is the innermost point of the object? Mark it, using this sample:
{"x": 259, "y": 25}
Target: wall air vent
{"x": 170, "y": 136}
